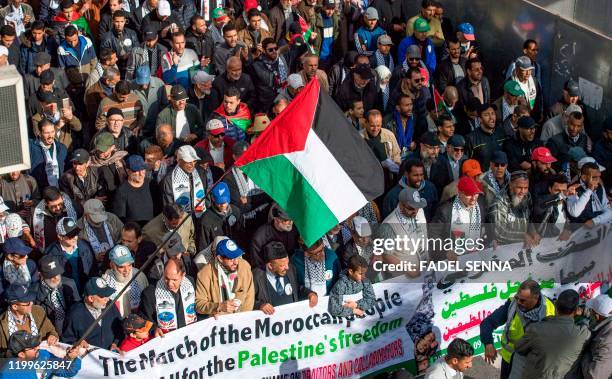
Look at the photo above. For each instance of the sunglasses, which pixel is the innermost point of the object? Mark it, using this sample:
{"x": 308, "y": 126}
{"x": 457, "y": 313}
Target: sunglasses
{"x": 458, "y": 149}
{"x": 220, "y": 135}
{"x": 271, "y": 49}
{"x": 419, "y": 80}
{"x": 500, "y": 164}
{"x": 414, "y": 59}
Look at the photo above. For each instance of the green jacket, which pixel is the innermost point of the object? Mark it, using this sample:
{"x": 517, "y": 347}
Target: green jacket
{"x": 196, "y": 123}
{"x": 319, "y": 29}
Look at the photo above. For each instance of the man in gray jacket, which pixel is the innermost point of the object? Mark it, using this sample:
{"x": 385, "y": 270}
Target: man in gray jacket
{"x": 551, "y": 346}
{"x": 596, "y": 359}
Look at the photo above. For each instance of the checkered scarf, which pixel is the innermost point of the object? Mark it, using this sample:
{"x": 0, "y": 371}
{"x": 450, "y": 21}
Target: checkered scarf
{"x": 16, "y": 275}
{"x": 13, "y": 323}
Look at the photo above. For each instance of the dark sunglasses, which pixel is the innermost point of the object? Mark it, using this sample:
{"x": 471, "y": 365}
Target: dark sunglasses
{"x": 271, "y": 49}
{"x": 419, "y": 80}
{"x": 500, "y": 164}
{"x": 220, "y": 135}
{"x": 414, "y": 59}
{"x": 458, "y": 148}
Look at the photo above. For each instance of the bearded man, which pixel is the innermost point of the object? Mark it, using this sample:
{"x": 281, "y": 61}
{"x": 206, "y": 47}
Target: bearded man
{"x": 120, "y": 272}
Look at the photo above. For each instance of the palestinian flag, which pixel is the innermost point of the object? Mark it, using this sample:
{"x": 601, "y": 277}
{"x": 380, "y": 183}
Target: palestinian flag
{"x": 314, "y": 164}
{"x": 242, "y": 118}
{"x": 440, "y": 104}
{"x": 81, "y": 23}
{"x": 306, "y": 29}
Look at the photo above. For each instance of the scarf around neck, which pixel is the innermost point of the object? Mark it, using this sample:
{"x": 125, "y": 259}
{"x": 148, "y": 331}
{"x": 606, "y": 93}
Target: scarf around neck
{"x": 166, "y": 306}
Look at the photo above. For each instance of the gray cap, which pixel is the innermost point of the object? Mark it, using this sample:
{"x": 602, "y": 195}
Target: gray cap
{"x": 42, "y": 58}
{"x": 456, "y": 140}
{"x": 385, "y": 40}
{"x": 174, "y": 246}
{"x": 202, "y": 77}
{"x": 413, "y": 52}
{"x": 371, "y": 13}
{"x": 412, "y": 197}
{"x": 524, "y": 63}
{"x": 573, "y": 108}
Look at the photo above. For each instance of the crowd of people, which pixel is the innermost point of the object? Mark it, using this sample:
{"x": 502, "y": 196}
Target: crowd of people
{"x": 137, "y": 110}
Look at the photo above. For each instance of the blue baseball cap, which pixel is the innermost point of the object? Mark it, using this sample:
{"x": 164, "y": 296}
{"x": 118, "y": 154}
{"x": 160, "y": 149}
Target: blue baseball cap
{"x": 135, "y": 163}
{"x": 221, "y": 193}
{"x": 15, "y": 245}
{"x": 120, "y": 255}
{"x": 228, "y": 249}
{"x": 468, "y": 31}
{"x": 143, "y": 75}
{"x": 19, "y": 294}
{"x": 98, "y": 287}
{"x": 499, "y": 157}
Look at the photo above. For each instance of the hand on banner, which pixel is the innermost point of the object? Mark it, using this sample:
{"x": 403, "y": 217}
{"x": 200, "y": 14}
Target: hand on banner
{"x": 565, "y": 235}
{"x": 490, "y": 353}
{"x": 589, "y": 224}
{"x": 159, "y": 333}
{"x": 52, "y": 340}
{"x": 227, "y": 306}
{"x": 350, "y": 304}
{"x": 358, "y": 312}
{"x": 313, "y": 299}
{"x": 72, "y": 353}
{"x": 267, "y": 308}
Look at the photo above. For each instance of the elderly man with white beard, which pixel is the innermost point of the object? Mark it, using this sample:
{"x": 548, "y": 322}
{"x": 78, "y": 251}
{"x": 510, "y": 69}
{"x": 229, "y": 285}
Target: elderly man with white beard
{"x": 120, "y": 272}
{"x": 508, "y": 216}
{"x": 108, "y": 332}
{"x": 56, "y": 293}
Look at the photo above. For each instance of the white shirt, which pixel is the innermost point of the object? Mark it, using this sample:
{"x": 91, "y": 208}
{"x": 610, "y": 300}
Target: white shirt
{"x": 182, "y": 126}
{"x": 217, "y": 153}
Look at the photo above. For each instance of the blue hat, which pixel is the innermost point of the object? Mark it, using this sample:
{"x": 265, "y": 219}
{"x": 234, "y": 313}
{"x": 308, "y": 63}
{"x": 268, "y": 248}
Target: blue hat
{"x": 19, "y": 293}
{"x": 143, "y": 75}
{"x": 221, "y": 193}
{"x": 98, "y": 287}
{"x": 135, "y": 163}
{"x": 499, "y": 157}
{"x": 120, "y": 255}
{"x": 228, "y": 249}
{"x": 468, "y": 31}
{"x": 15, "y": 245}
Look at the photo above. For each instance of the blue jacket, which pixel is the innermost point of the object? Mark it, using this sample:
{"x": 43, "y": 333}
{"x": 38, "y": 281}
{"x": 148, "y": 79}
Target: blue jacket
{"x": 70, "y": 57}
{"x": 29, "y": 50}
{"x": 67, "y": 369}
{"x": 332, "y": 263}
{"x": 37, "y": 161}
{"x": 79, "y": 319}
{"x": 429, "y": 57}
{"x": 369, "y": 38}
{"x": 86, "y": 264}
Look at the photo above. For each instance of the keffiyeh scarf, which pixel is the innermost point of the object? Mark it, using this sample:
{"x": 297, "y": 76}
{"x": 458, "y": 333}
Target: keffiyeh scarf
{"x": 134, "y": 291}
{"x": 13, "y": 323}
{"x": 465, "y": 220}
{"x": 38, "y": 219}
{"x": 380, "y": 60}
{"x": 16, "y": 275}
{"x": 166, "y": 307}
{"x": 98, "y": 246}
{"x": 226, "y": 282}
{"x": 181, "y": 189}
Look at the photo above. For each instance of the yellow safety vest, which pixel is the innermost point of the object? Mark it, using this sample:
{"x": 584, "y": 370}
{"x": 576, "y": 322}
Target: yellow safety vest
{"x": 514, "y": 329}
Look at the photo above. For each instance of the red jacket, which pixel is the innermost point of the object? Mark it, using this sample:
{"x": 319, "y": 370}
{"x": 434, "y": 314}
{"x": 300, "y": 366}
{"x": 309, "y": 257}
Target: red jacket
{"x": 130, "y": 343}
{"x": 228, "y": 144}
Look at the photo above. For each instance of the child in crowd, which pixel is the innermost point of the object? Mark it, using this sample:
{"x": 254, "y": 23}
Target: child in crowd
{"x": 353, "y": 293}
{"x": 138, "y": 331}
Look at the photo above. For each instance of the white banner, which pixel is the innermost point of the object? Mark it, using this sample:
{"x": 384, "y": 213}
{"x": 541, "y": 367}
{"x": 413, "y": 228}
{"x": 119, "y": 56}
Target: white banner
{"x": 255, "y": 345}
{"x": 411, "y": 320}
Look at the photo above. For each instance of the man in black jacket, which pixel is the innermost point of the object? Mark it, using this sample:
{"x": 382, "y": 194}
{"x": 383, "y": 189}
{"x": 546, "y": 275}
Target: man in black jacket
{"x": 474, "y": 82}
{"x": 360, "y": 85}
{"x": 561, "y": 143}
{"x": 82, "y": 183}
{"x": 221, "y": 219}
{"x": 280, "y": 228}
{"x": 550, "y": 215}
{"x": 482, "y": 142}
{"x": 199, "y": 39}
{"x": 520, "y": 147}
{"x": 448, "y": 165}
{"x": 233, "y": 76}
{"x": 55, "y": 293}
{"x": 278, "y": 284}
{"x": 452, "y": 68}
{"x": 270, "y": 73}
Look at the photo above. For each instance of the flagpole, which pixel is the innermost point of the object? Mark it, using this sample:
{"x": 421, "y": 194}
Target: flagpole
{"x": 145, "y": 265}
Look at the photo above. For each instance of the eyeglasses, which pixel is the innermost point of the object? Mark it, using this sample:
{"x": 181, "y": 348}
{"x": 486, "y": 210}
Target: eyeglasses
{"x": 458, "y": 149}
{"x": 220, "y": 135}
{"x": 271, "y": 49}
{"x": 418, "y": 80}
{"x": 414, "y": 59}
{"x": 500, "y": 164}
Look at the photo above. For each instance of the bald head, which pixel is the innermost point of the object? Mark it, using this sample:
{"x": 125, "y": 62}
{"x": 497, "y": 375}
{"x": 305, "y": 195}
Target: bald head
{"x": 451, "y": 96}
{"x": 173, "y": 274}
{"x": 233, "y": 68}
{"x": 164, "y": 135}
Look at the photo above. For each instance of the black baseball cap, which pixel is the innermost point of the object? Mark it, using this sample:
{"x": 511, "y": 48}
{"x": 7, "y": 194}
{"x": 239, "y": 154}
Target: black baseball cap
{"x": 499, "y": 157}
{"x": 149, "y": 33}
{"x": 80, "y": 156}
{"x": 22, "y": 340}
{"x": 50, "y": 267}
{"x": 572, "y": 88}
{"x": 19, "y": 294}
{"x": 364, "y": 71}
{"x": 47, "y": 77}
{"x": 526, "y": 122}
{"x": 429, "y": 138}
{"x": 178, "y": 92}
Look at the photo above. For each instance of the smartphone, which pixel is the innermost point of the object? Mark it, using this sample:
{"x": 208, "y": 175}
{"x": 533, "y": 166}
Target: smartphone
{"x": 66, "y": 103}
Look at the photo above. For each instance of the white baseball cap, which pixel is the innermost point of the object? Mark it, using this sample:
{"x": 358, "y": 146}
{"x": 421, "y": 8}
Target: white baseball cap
{"x": 585, "y": 160}
{"x": 602, "y": 304}
{"x": 163, "y": 8}
{"x": 187, "y": 153}
{"x": 295, "y": 81}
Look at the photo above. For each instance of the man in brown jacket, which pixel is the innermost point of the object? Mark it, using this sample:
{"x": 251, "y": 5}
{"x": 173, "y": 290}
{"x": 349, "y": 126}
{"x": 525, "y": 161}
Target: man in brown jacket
{"x": 23, "y": 315}
{"x": 237, "y": 292}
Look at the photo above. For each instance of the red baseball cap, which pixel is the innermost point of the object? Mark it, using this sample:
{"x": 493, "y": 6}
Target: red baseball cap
{"x": 469, "y": 186}
{"x": 542, "y": 154}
